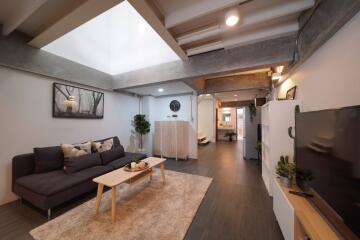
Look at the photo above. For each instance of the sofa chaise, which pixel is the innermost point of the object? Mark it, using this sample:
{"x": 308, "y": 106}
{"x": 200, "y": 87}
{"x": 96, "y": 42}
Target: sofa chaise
{"x": 48, "y": 189}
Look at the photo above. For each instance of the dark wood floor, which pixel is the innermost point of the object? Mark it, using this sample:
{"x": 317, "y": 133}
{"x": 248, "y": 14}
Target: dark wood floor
{"x": 236, "y": 205}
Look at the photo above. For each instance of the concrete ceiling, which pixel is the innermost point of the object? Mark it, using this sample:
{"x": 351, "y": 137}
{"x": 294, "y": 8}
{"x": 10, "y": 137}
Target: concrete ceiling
{"x": 189, "y": 27}
{"x": 171, "y": 88}
{"x": 198, "y": 26}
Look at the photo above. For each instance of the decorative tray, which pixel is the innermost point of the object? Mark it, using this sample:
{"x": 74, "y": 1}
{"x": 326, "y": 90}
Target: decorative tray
{"x": 136, "y": 169}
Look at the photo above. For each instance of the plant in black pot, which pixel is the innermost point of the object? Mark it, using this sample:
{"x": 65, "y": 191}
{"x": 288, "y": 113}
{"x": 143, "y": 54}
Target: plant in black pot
{"x": 230, "y": 135}
{"x": 142, "y": 127}
{"x": 286, "y": 171}
{"x": 303, "y": 177}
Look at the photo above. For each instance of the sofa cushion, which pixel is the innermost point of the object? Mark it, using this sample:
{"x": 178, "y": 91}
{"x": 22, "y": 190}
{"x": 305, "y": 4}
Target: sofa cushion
{"x": 112, "y": 154}
{"x": 126, "y": 159}
{"x": 48, "y": 159}
{"x": 56, "y": 181}
{"x": 76, "y": 164}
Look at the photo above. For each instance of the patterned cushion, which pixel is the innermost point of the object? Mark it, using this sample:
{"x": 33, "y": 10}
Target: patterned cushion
{"x": 76, "y": 150}
{"x": 102, "y": 146}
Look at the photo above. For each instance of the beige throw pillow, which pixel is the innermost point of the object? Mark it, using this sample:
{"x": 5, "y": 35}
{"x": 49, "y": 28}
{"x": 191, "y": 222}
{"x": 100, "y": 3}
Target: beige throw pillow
{"x": 103, "y": 146}
{"x": 71, "y": 150}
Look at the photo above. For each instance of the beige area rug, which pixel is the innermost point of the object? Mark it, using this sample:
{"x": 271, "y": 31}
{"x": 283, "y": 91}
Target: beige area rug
{"x": 145, "y": 210}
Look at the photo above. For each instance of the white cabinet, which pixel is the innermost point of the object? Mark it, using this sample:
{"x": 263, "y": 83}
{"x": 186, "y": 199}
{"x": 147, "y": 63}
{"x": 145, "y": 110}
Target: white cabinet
{"x": 276, "y": 118}
{"x": 284, "y": 212}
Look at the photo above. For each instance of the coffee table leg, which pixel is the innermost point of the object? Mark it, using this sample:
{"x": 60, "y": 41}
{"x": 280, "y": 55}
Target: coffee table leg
{"x": 162, "y": 168}
{"x": 99, "y": 196}
{"x": 113, "y": 205}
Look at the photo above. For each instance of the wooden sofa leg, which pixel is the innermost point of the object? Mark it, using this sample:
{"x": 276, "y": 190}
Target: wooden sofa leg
{"x": 49, "y": 213}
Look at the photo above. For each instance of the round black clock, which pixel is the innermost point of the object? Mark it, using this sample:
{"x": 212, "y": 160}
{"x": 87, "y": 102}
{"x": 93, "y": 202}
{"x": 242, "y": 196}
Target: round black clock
{"x": 175, "y": 105}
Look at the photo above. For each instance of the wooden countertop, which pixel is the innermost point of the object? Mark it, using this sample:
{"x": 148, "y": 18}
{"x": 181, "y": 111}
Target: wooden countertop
{"x": 315, "y": 225}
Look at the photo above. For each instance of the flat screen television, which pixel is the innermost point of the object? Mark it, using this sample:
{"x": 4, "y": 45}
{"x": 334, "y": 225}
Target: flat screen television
{"x": 328, "y": 144}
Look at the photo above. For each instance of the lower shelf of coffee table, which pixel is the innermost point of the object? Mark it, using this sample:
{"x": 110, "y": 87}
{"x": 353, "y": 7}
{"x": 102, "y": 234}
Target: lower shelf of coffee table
{"x": 140, "y": 176}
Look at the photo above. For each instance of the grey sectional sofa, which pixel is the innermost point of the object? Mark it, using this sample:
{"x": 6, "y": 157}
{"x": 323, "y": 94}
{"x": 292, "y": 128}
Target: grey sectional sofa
{"x": 48, "y": 189}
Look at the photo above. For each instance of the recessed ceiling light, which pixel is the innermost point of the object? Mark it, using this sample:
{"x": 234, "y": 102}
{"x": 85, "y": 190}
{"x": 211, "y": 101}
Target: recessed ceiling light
{"x": 235, "y": 95}
{"x": 160, "y": 90}
{"x": 232, "y": 18}
{"x": 208, "y": 95}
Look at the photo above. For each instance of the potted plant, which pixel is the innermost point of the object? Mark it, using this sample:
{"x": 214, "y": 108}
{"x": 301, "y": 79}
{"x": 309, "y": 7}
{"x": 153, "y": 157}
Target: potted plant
{"x": 230, "y": 135}
{"x": 142, "y": 127}
{"x": 303, "y": 177}
{"x": 286, "y": 171}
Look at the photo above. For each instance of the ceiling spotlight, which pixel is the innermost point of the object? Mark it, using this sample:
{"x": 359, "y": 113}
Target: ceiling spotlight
{"x": 160, "y": 90}
{"x": 235, "y": 95}
{"x": 232, "y": 18}
{"x": 208, "y": 95}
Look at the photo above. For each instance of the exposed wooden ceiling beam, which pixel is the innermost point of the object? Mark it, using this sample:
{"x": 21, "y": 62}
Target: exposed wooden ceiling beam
{"x": 72, "y": 20}
{"x": 23, "y": 11}
{"x": 198, "y": 9}
{"x": 244, "y": 103}
{"x": 237, "y": 82}
{"x": 151, "y": 17}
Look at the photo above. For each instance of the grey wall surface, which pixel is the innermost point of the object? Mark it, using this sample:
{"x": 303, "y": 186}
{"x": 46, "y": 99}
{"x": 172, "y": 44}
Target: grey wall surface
{"x": 15, "y": 53}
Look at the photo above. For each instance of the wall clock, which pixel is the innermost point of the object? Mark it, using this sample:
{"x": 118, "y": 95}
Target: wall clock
{"x": 175, "y": 105}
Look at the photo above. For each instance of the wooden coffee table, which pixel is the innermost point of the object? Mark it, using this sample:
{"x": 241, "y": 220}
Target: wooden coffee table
{"x": 116, "y": 177}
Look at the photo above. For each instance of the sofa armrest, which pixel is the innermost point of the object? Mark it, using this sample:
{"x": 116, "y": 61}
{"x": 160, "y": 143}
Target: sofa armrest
{"x": 22, "y": 165}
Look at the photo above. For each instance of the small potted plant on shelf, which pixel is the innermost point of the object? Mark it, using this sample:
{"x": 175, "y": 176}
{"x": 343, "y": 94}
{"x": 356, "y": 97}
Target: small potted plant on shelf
{"x": 303, "y": 177}
{"x": 286, "y": 171}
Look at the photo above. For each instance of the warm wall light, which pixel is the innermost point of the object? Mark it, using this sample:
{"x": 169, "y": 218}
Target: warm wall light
{"x": 279, "y": 69}
{"x": 160, "y": 90}
{"x": 276, "y": 76}
{"x": 232, "y": 18}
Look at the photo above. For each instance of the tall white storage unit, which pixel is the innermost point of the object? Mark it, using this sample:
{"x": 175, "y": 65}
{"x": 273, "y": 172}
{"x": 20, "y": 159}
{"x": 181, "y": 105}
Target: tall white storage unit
{"x": 276, "y": 118}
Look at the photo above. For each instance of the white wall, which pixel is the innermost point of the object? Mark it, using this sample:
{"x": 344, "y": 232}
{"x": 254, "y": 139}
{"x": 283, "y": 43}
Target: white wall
{"x": 26, "y": 120}
{"x": 330, "y": 78}
{"x": 206, "y": 117}
{"x": 157, "y": 109}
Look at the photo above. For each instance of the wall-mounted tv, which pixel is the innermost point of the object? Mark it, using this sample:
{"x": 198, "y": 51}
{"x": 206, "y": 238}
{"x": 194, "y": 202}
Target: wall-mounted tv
{"x": 328, "y": 144}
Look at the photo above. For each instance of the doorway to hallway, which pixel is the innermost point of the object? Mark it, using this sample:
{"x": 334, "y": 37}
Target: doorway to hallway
{"x": 240, "y": 123}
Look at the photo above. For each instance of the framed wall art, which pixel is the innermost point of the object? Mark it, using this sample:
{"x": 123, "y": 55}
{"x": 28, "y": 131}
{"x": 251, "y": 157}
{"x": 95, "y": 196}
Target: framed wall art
{"x": 74, "y": 102}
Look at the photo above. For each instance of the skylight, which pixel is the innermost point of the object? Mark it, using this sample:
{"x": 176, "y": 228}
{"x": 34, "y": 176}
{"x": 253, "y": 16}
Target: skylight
{"x": 117, "y": 41}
